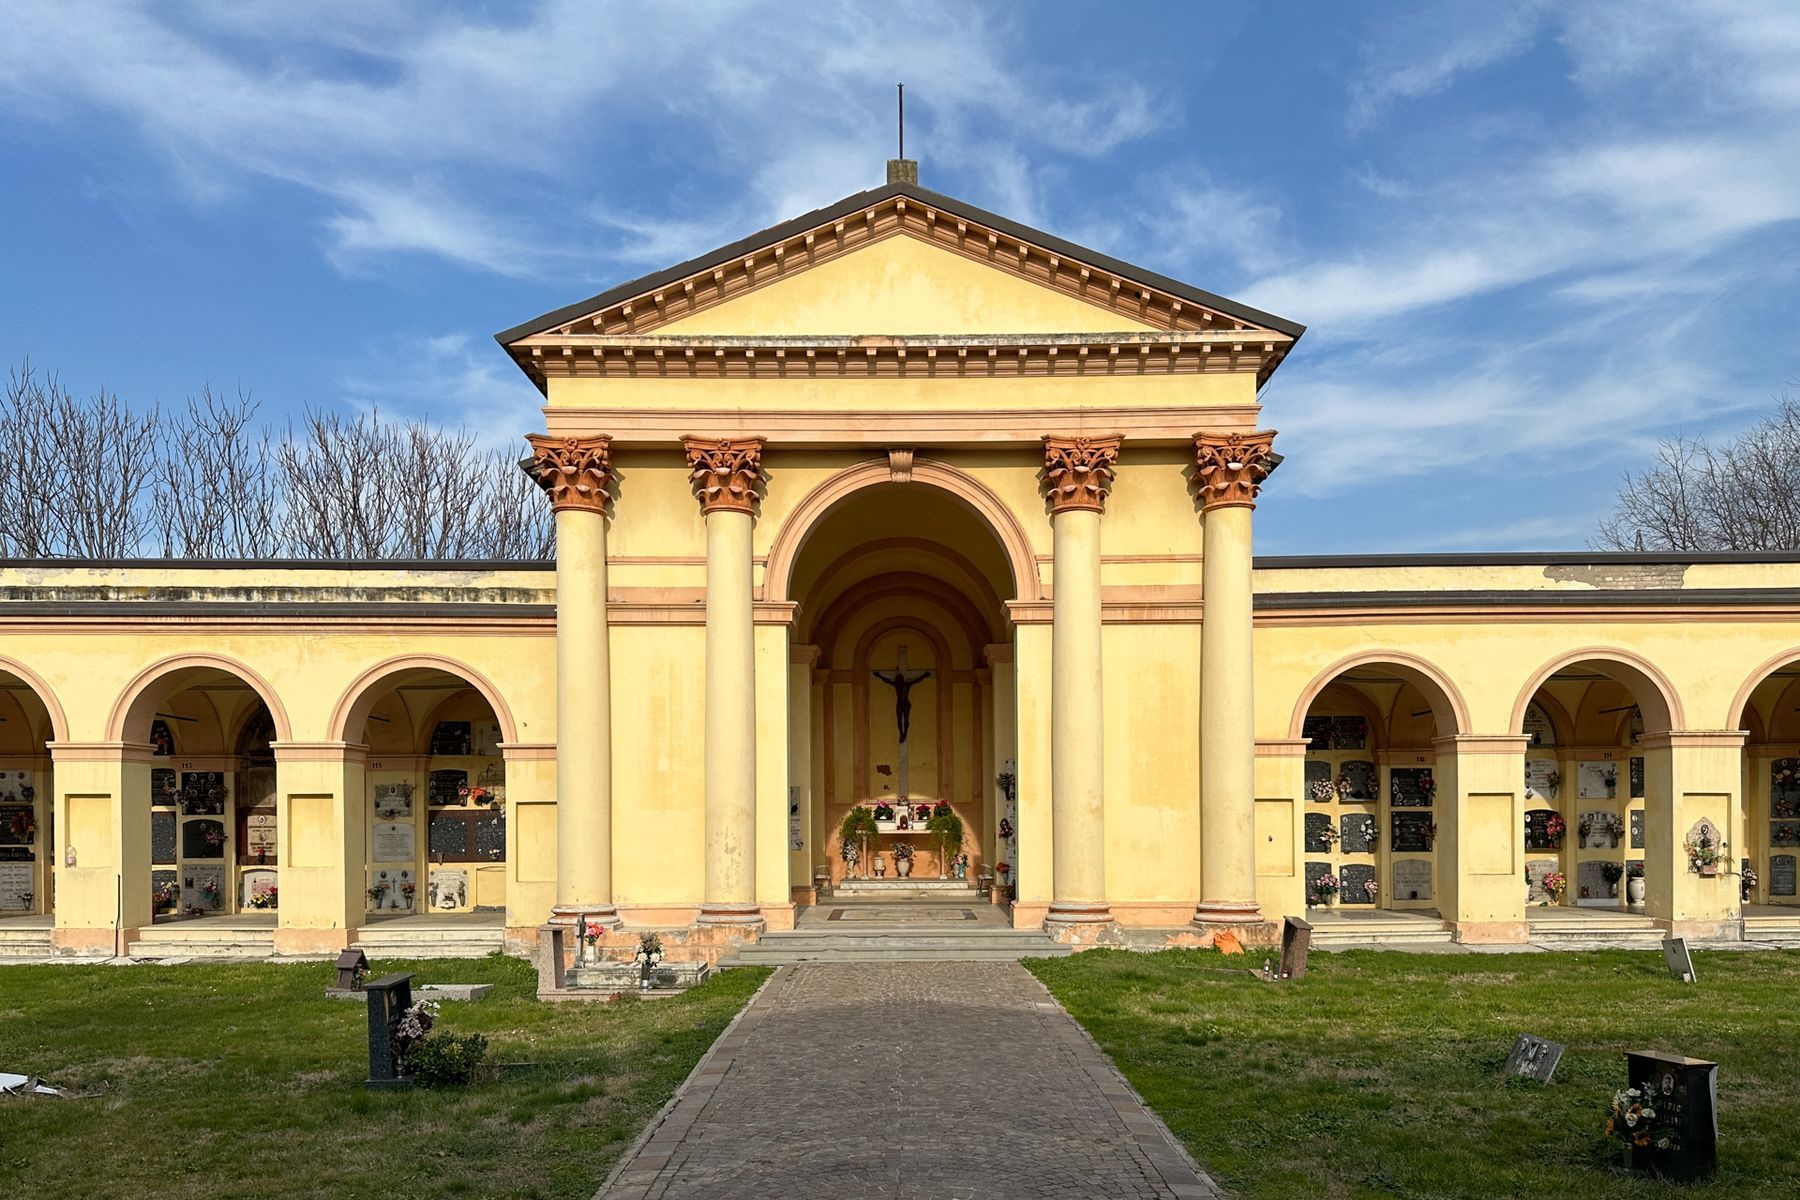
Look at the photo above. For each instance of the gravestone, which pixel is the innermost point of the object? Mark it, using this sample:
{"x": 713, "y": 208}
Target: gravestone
{"x": 351, "y": 965}
{"x": 1684, "y": 1094}
{"x": 1597, "y": 838}
{"x": 1314, "y": 872}
{"x": 1353, "y": 878}
{"x": 393, "y": 882}
{"x": 1533, "y": 1058}
{"x": 203, "y": 793}
{"x": 1317, "y": 826}
{"x": 162, "y": 837}
{"x": 1412, "y": 879}
{"x": 1407, "y": 787}
{"x": 393, "y": 800}
{"x": 445, "y": 788}
{"x": 1296, "y": 941}
{"x": 1677, "y": 959}
{"x": 203, "y": 839}
{"x": 1318, "y": 773}
{"x": 1591, "y": 779}
{"x": 1637, "y": 776}
{"x": 1591, "y": 885}
{"x": 15, "y": 787}
{"x": 1356, "y": 832}
{"x": 1637, "y": 830}
{"x": 158, "y": 878}
{"x": 1782, "y": 874}
{"x": 1537, "y": 778}
{"x": 194, "y": 890}
{"x": 1336, "y": 733}
{"x": 163, "y": 783}
{"x": 394, "y": 842}
{"x": 388, "y": 998}
{"x": 15, "y": 886}
{"x": 490, "y": 836}
{"x": 1535, "y": 870}
{"x": 452, "y": 737}
{"x": 254, "y": 883}
{"x": 1360, "y": 777}
{"x": 449, "y": 888}
{"x": 1411, "y": 832}
{"x": 259, "y": 833}
{"x": 1537, "y": 829}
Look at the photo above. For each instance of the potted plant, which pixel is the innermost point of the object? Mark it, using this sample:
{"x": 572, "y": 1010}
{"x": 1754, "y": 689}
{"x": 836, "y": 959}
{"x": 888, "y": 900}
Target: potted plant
{"x": 1325, "y": 891}
{"x": 859, "y": 826}
{"x": 1747, "y": 884}
{"x": 884, "y": 812}
{"x": 1634, "y": 885}
{"x": 903, "y": 858}
{"x": 946, "y": 829}
{"x": 850, "y": 854}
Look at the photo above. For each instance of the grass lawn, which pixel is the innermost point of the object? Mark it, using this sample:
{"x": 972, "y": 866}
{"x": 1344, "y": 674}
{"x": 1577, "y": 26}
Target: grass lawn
{"x": 1377, "y": 1075}
{"x": 244, "y": 1080}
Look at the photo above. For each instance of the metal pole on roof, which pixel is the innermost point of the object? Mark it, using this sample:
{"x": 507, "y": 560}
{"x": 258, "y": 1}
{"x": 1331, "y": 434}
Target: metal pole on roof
{"x": 901, "y": 89}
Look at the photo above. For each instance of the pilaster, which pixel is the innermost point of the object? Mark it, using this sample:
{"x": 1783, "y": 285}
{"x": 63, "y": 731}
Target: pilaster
{"x": 320, "y": 800}
{"x": 102, "y": 826}
{"x": 1691, "y": 776}
{"x": 1480, "y": 812}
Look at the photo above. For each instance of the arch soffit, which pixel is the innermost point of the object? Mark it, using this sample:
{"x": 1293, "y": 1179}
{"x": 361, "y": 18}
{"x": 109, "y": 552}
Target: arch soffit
{"x": 951, "y": 632}
{"x": 141, "y": 696}
{"x": 59, "y": 723}
{"x": 1650, "y": 689}
{"x": 968, "y": 574}
{"x": 1362, "y": 702}
{"x": 843, "y": 611}
{"x": 1446, "y": 700}
{"x": 353, "y": 707}
{"x": 974, "y": 495}
{"x": 882, "y": 628}
{"x": 1740, "y": 703}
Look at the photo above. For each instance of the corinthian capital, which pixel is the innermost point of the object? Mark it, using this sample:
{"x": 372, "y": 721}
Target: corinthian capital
{"x": 575, "y": 471}
{"x": 724, "y": 472}
{"x": 1079, "y": 471}
{"x": 1230, "y": 468}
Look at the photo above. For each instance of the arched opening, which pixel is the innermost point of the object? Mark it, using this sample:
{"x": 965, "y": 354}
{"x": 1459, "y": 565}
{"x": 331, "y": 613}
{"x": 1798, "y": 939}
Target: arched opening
{"x": 214, "y": 844}
{"x": 28, "y": 722}
{"x": 1587, "y": 786}
{"x": 1370, "y": 831}
{"x": 908, "y": 701}
{"x": 1768, "y": 710}
{"x": 436, "y": 789}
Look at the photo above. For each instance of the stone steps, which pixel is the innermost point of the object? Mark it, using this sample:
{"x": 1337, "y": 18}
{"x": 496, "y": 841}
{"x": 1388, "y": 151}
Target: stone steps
{"x": 25, "y": 945}
{"x": 1330, "y": 935}
{"x": 243, "y": 943}
{"x": 907, "y": 944}
{"x": 449, "y": 942}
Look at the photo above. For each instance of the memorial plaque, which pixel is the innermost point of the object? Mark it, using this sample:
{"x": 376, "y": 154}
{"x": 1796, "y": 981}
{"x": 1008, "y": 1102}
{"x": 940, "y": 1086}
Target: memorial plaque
{"x": 158, "y": 878}
{"x": 15, "y": 787}
{"x": 17, "y": 854}
{"x": 1355, "y": 879}
{"x": 1542, "y": 780}
{"x": 1412, "y": 879}
{"x": 446, "y": 788}
{"x": 1591, "y": 885}
{"x": 1336, "y": 733}
{"x": 161, "y": 739}
{"x": 394, "y": 841}
{"x": 1684, "y": 1093}
{"x": 1537, "y": 829}
{"x": 1360, "y": 774}
{"x": 449, "y": 887}
{"x": 1314, "y": 872}
{"x": 1538, "y": 727}
{"x": 1296, "y": 940}
{"x": 254, "y": 884}
{"x": 1784, "y": 787}
{"x": 1318, "y": 782}
{"x": 256, "y": 787}
{"x": 448, "y": 839}
{"x": 393, "y": 800}
{"x": 1637, "y": 829}
{"x": 397, "y": 887}
{"x": 1637, "y": 777}
{"x": 1410, "y": 787}
{"x": 1533, "y": 1058}
{"x": 1784, "y": 833}
{"x": 259, "y": 838}
{"x": 1356, "y": 831}
{"x": 163, "y": 783}
{"x": 487, "y": 737}
{"x": 1677, "y": 958}
{"x": 203, "y": 839}
{"x": 1411, "y": 832}
{"x": 1598, "y": 825}
{"x": 18, "y": 824}
{"x": 203, "y": 887}
{"x": 1783, "y": 874}
{"x": 1317, "y": 825}
{"x": 16, "y": 887}
{"x": 1596, "y": 779}
{"x": 162, "y": 837}
{"x": 203, "y": 793}
{"x": 1317, "y": 732}
{"x": 1535, "y": 870}
{"x": 452, "y": 737}
{"x": 490, "y": 836}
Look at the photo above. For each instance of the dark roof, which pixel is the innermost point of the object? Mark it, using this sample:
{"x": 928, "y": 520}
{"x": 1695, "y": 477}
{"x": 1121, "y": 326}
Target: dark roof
{"x": 862, "y": 200}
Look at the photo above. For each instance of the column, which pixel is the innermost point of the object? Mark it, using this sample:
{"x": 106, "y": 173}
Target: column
{"x": 1692, "y": 779}
{"x": 102, "y": 846}
{"x": 321, "y": 791}
{"x": 725, "y": 474}
{"x": 1003, "y": 707}
{"x": 800, "y": 777}
{"x": 1078, "y": 472}
{"x": 576, "y": 473}
{"x": 1479, "y": 810}
{"x": 1229, "y": 471}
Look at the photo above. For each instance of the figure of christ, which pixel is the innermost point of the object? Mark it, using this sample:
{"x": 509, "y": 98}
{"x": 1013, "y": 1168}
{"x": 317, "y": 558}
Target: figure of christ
{"x": 902, "y": 683}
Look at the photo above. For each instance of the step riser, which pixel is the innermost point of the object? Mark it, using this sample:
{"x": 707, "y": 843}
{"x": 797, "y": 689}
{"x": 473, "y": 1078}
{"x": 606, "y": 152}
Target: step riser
{"x": 754, "y": 960}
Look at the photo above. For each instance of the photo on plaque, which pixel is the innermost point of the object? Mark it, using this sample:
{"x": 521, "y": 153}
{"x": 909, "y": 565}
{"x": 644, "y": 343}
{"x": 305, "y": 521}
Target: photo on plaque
{"x": 449, "y": 887}
{"x": 393, "y": 800}
{"x": 392, "y": 889}
{"x": 15, "y": 787}
{"x": 445, "y": 789}
{"x": 1535, "y": 870}
{"x": 1357, "y": 833}
{"x": 202, "y": 793}
{"x": 1543, "y": 829}
{"x": 1637, "y": 830}
{"x": 203, "y": 839}
{"x": 165, "y": 786}
{"x": 1357, "y": 780}
{"x": 1542, "y": 779}
{"x": 1318, "y": 833}
{"x": 1596, "y": 780}
{"x": 1356, "y": 884}
{"x": 203, "y": 889}
{"x": 1413, "y": 832}
{"x": 1411, "y": 787}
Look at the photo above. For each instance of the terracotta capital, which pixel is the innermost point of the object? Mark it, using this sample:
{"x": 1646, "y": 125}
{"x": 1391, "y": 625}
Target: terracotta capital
{"x": 574, "y": 471}
{"x": 1079, "y": 471}
{"x": 1230, "y": 468}
{"x": 725, "y": 472}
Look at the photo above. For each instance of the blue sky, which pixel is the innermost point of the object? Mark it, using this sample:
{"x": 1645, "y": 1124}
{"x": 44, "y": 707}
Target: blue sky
{"x": 1529, "y": 239}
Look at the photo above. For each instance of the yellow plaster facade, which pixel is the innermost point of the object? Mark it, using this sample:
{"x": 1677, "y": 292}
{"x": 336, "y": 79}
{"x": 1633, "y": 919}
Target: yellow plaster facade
{"x": 831, "y": 451}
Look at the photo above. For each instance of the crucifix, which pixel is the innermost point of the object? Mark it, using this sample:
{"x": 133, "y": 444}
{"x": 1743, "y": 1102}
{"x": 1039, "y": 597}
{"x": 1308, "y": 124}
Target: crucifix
{"x": 902, "y": 683}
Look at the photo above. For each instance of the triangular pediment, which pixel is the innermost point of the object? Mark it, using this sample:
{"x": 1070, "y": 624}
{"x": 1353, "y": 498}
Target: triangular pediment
{"x": 904, "y": 261}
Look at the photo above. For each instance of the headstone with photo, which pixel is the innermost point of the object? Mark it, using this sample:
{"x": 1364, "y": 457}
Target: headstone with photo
{"x": 1318, "y": 825}
{"x": 1782, "y": 874}
{"x": 1533, "y": 1058}
{"x": 1318, "y": 780}
{"x": 163, "y": 785}
{"x": 1535, "y": 870}
{"x": 1360, "y": 775}
{"x": 203, "y": 839}
{"x": 1537, "y": 829}
{"x": 1637, "y": 829}
{"x": 389, "y": 997}
{"x": 1596, "y": 779}
{"x": 1591, "y": 886}
{"x": 1411, "y": 832}
{"x": 452, "y": 737}
{"x": 445, "y": 788}
{"x": 1637, "y": 775}
{"x": 1314, "y": 872}
{"x": 1410, "y": 787}
{"x": 1355, "y": 880}
{"x": 1541, "y": 778}
{"x": 1356, "y": 833}
{"x": 1684, "y": 1094}
{"x": 203, "y": 888}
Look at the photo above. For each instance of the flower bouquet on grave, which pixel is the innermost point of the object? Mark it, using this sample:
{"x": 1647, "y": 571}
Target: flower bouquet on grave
{"x": 264, "y": 898}
{"x": 1786, "y": 835}
{"x": 408, "y": 889}
{"x": 1325, "y": 889}
{"x": 1583, "y": 828}
{"x": 1615, "y": 828}
{"x": 1747, "y": 884}
{"x": 215, "y": 838}
{"x": 1704, "y": 857}
{"x": 1634, "y": 1122}
{"x": 960, "y": 866}
{"x": 1372, "y": 889}
{"x": 649, "y": 954}
{"x": 1002, "y": 872}
{"x": 1329, "y": 837}
{"x": 1611, "y": 780}
{"x": 1370, "y": 836}
{"x": 1556, "y": 884}
{"x": 21, "y": 826}
{"x": 166, "y": 896}
{"x": 903, "y": 856}
{"x": 1342, "y": 786}
{"x": 1429, "y": 832}
{"x": 1427, "y": 787}
{"x": 1554, "y": 829}
{"x": 209, "y": 893}
{"x": 1784, "y": 809}
{"x": 1322, "y": 791}
{"x": 884, "y": 812}
{"x": 1612, "y": 872}
{"x": 378, "y": 893}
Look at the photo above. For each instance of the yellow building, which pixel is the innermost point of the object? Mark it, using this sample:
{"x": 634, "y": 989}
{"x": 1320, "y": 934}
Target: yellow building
{"x": 898, "y": 502}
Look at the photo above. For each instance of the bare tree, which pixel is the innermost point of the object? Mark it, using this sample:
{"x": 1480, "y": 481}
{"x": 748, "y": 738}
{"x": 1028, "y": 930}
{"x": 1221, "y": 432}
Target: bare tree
{"x": 1742, "y": 495}
{"x": 515, "y": 520}
{"x": 216, "y": 491}
{"x": 36, "y": 481}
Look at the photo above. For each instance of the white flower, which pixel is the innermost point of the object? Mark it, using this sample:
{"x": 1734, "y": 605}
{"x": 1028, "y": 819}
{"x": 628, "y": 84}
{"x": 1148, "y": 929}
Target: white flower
{"x": 1631, "y": 1120}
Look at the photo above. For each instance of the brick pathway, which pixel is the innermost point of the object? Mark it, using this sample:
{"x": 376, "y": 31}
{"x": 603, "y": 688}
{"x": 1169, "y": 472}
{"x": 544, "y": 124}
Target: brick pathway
{"x": 947, "y": 1081}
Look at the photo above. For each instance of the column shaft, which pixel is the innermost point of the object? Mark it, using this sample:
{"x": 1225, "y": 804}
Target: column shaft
{"x": 730, "y": 769}
{"x": 1227, "y": 723}
{"x": 583, "y": 720}
{"x": 1077, "y": 743}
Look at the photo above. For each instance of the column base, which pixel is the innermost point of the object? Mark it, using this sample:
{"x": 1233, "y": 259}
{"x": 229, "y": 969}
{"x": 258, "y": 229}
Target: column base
{"x": 734, "y": 915}
{"x": 91, "y": 940}
{"x": 1490, "y": 933}
{"x": 576, "y": 915}
{"x": 1715, "y": 929}
{"x": 302, "y": 942}
{"x": 1211, "y": 913}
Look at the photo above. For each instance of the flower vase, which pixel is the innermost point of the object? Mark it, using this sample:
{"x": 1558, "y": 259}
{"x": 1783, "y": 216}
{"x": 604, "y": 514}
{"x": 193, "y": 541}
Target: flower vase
{"x": 903, "y": 868}
{"x": 1634, "y": 891}
{"x": 1331, "y": 900}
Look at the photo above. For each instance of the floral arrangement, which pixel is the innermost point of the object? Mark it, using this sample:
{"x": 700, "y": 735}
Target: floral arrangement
{"x": 1611, "y": 780}
{"x": 1747, "y": 883}
{"x": 1001, "y": 869}
{"x": 1323, "y": 791}
{"x": 1612, "y": 872}
{"x": 922, "y": 812}
{"x": 1370, "y": 836}
{"x": 416, "y": 1020}
{"x": 1634, "y": 870}
{"x": 1556, "y": 883}
{"x": 409, "y": 889}
{"x": 1006, "y": 829}
{"x": 1583, "y": 828}
{"x": 1372, "y": 888}
{"x": 1325, "y": 886}
{"x": 592, "y": 934}
{"x": 21, "y": 825}
{"x": 941, "y": 809}
{"x": 884, "y": 812}
{"x": 378, "y": 893}
{"x": 1553, "y": 781}
{"x": 1554, "y": 829}
{"x": 649, "y": 951}
{"x": 1787, "y": 777}
{"x": 960, "y": 865}
{"x": 903, "y": 852}
{"x": 209, "y": 892}
{"x": 1786, "y": 835}
{"x": 267, "y": 898}
{"x": 1703, "y": 856}
{"x": 850, "y": 852}
{"x": 1427, "y": 786}
{"x": 1786, "y": 808}
{"x": 1429, "y": 831}
{"x": 1634, "y": 1121}
{"x": 1615, "y": 827}
{"x": 166, "y": 895}
{"x": 215, "y": 838}
{"x": 1342, "y": 786}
